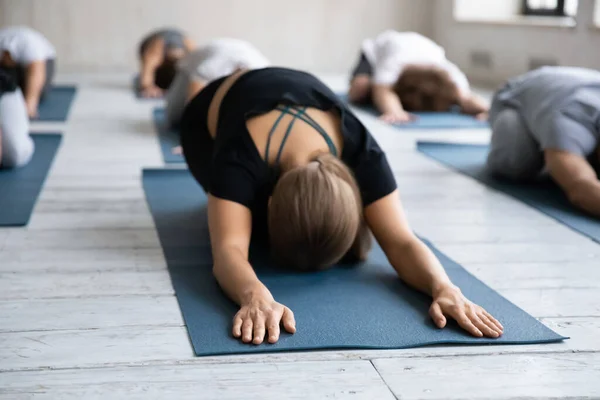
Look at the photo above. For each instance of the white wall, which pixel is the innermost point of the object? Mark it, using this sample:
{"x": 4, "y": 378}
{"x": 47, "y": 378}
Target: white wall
{"x": 485, "y": 10}
{"x": 318, "y": 35}
{"x": 511, "y": 47}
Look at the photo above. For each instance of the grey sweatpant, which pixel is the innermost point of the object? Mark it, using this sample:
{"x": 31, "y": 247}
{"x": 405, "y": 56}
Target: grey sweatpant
{"x": 520, "y": 135}
{"x": 17, "y": 146}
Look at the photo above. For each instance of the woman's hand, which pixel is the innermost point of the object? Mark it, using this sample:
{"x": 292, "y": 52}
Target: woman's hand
{"x": 449, "y": 301}
{"x": 398, "y": 117}
{"x": 260, "y": 316}
{"x": 32, "y": 108}
{"x": 151, "y": 91}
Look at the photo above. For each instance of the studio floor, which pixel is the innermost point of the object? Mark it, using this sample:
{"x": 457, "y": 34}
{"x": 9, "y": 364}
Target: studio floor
{"x": 87, "y": 309}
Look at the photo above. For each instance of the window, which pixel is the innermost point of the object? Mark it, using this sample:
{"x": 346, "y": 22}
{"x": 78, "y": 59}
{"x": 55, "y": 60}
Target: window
{"x": 550, "y": 8}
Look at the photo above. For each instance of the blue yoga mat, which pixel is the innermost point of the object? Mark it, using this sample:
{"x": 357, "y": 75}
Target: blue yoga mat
{"x": 56, "y": 104}
{"x": 430, "y": 120}
{"x": 543, "y": 194}
{"x": 167, "y": 137}
{"x": 20, "y": 187}
{"x": 348, "y": 307}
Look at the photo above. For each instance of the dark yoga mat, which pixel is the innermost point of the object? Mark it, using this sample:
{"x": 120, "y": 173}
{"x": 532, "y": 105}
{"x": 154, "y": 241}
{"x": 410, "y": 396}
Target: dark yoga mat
{"x": 543, "y": 194}
{"x": 56, "y": 104}
{"x": 430, "y": 120}
{"x": 20, "y": 187}
{"x": 167, "y": 137}
{"x": 349, "y": 307}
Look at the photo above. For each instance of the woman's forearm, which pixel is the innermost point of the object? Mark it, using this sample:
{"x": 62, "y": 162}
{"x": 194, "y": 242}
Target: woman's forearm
{"x": 237, "y": 278}
{"x": 152, "y": 58}
{"x": 36, "y": 77}
{"x": 386, "y": 100}
{"x": 416, "y": 265}
{"x": 147, "y": 73}
{"x": 472, "y": 104}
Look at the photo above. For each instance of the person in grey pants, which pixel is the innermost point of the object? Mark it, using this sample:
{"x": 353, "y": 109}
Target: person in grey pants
{"x": 548, "y": 120}
{"x": 16, "y": 146}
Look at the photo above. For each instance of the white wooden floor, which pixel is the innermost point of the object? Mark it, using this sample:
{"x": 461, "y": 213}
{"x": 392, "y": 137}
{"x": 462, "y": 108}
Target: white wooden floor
{"x": 87, "y": 309}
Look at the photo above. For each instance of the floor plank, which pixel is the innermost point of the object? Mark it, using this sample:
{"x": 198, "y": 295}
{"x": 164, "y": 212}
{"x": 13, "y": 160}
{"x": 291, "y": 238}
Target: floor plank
{"x": 309, "y": 380}
{"x": 79, "y": 239}
{"x": 50, "y": 285}
{"x": 135, "y": 345}
{"x": 503, "y": 377}
{"x": 88, "y": 313}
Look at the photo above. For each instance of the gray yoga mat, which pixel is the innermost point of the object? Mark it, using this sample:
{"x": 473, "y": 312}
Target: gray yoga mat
{"x": 56, "y": 104}
{"x": 542, "y": 194}
{"x": 429, "y": 120}
{"x": 20, "y": 187}
{"x": 167, "y": 137}
{"x": 349, "y": 307}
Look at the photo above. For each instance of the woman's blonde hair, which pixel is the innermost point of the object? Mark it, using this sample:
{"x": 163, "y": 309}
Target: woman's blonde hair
{"x": 315, "y": 215}
{"x": 426, "y": 88}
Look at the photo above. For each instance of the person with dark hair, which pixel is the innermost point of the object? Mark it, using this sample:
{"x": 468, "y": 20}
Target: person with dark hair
{"x": 399, "y": 72}
{"x": 30, "y": 58}
{"x": 16, "y": 146}
{"x": 218, "y": 58}
{"x": 159, "y": 54}
{"x": 548, "y": 120}
{"x": 282, "y": 158}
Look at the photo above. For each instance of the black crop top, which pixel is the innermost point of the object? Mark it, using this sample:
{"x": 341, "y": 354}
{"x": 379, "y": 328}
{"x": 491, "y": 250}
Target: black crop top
{"x": 237, "y": 171}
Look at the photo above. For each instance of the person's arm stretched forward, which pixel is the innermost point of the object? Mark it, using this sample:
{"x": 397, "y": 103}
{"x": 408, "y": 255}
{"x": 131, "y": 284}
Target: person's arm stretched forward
{"x": 230, "y": 227}
{"x": 152, "y": 58}
{"x": 416, "y": 265}
{"x": 34, "y": 83}
{"x": 577, "y": 178}
{"x": 389, "y": 105}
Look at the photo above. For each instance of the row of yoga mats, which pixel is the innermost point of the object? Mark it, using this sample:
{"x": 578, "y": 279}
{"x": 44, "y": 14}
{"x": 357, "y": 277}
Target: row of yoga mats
{"x": 21, "y": 187}
{"x": 362, "y": 306}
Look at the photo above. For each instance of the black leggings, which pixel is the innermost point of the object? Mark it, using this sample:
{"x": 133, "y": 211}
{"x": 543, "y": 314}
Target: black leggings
{"x": 362, "y": 67}
{"x": 196, "y": 142}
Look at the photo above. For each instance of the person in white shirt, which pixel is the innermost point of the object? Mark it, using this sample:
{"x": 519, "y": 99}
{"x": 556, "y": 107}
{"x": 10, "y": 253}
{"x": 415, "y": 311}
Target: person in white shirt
{"x": 404, "y": 71}
{"x": 218, "y": 58}
{"x": 30, "y": 58}
{"x": 16, "y": 146}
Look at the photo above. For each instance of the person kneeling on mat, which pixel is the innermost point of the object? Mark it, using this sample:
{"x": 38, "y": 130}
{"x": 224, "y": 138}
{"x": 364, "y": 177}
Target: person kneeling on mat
{"x": 282, "y": 157}
{"x": 159, "y": 53}
{"x": 16, "y": 147}
{"x": 548, "y": 120}
{"x": 399, "y": 72}
{"x": 29, "y": 57}
{"x": 218, "y": 58}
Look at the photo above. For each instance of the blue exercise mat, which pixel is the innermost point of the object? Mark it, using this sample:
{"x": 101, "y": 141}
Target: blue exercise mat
{"x": 430, "y": 120}
{"x": 349, "y": 307}
{"x": 542, "y": 194}
{"x": 56, "y": 104}
{"x": 20, "y": 187}
{"x": 167, "y": 137}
